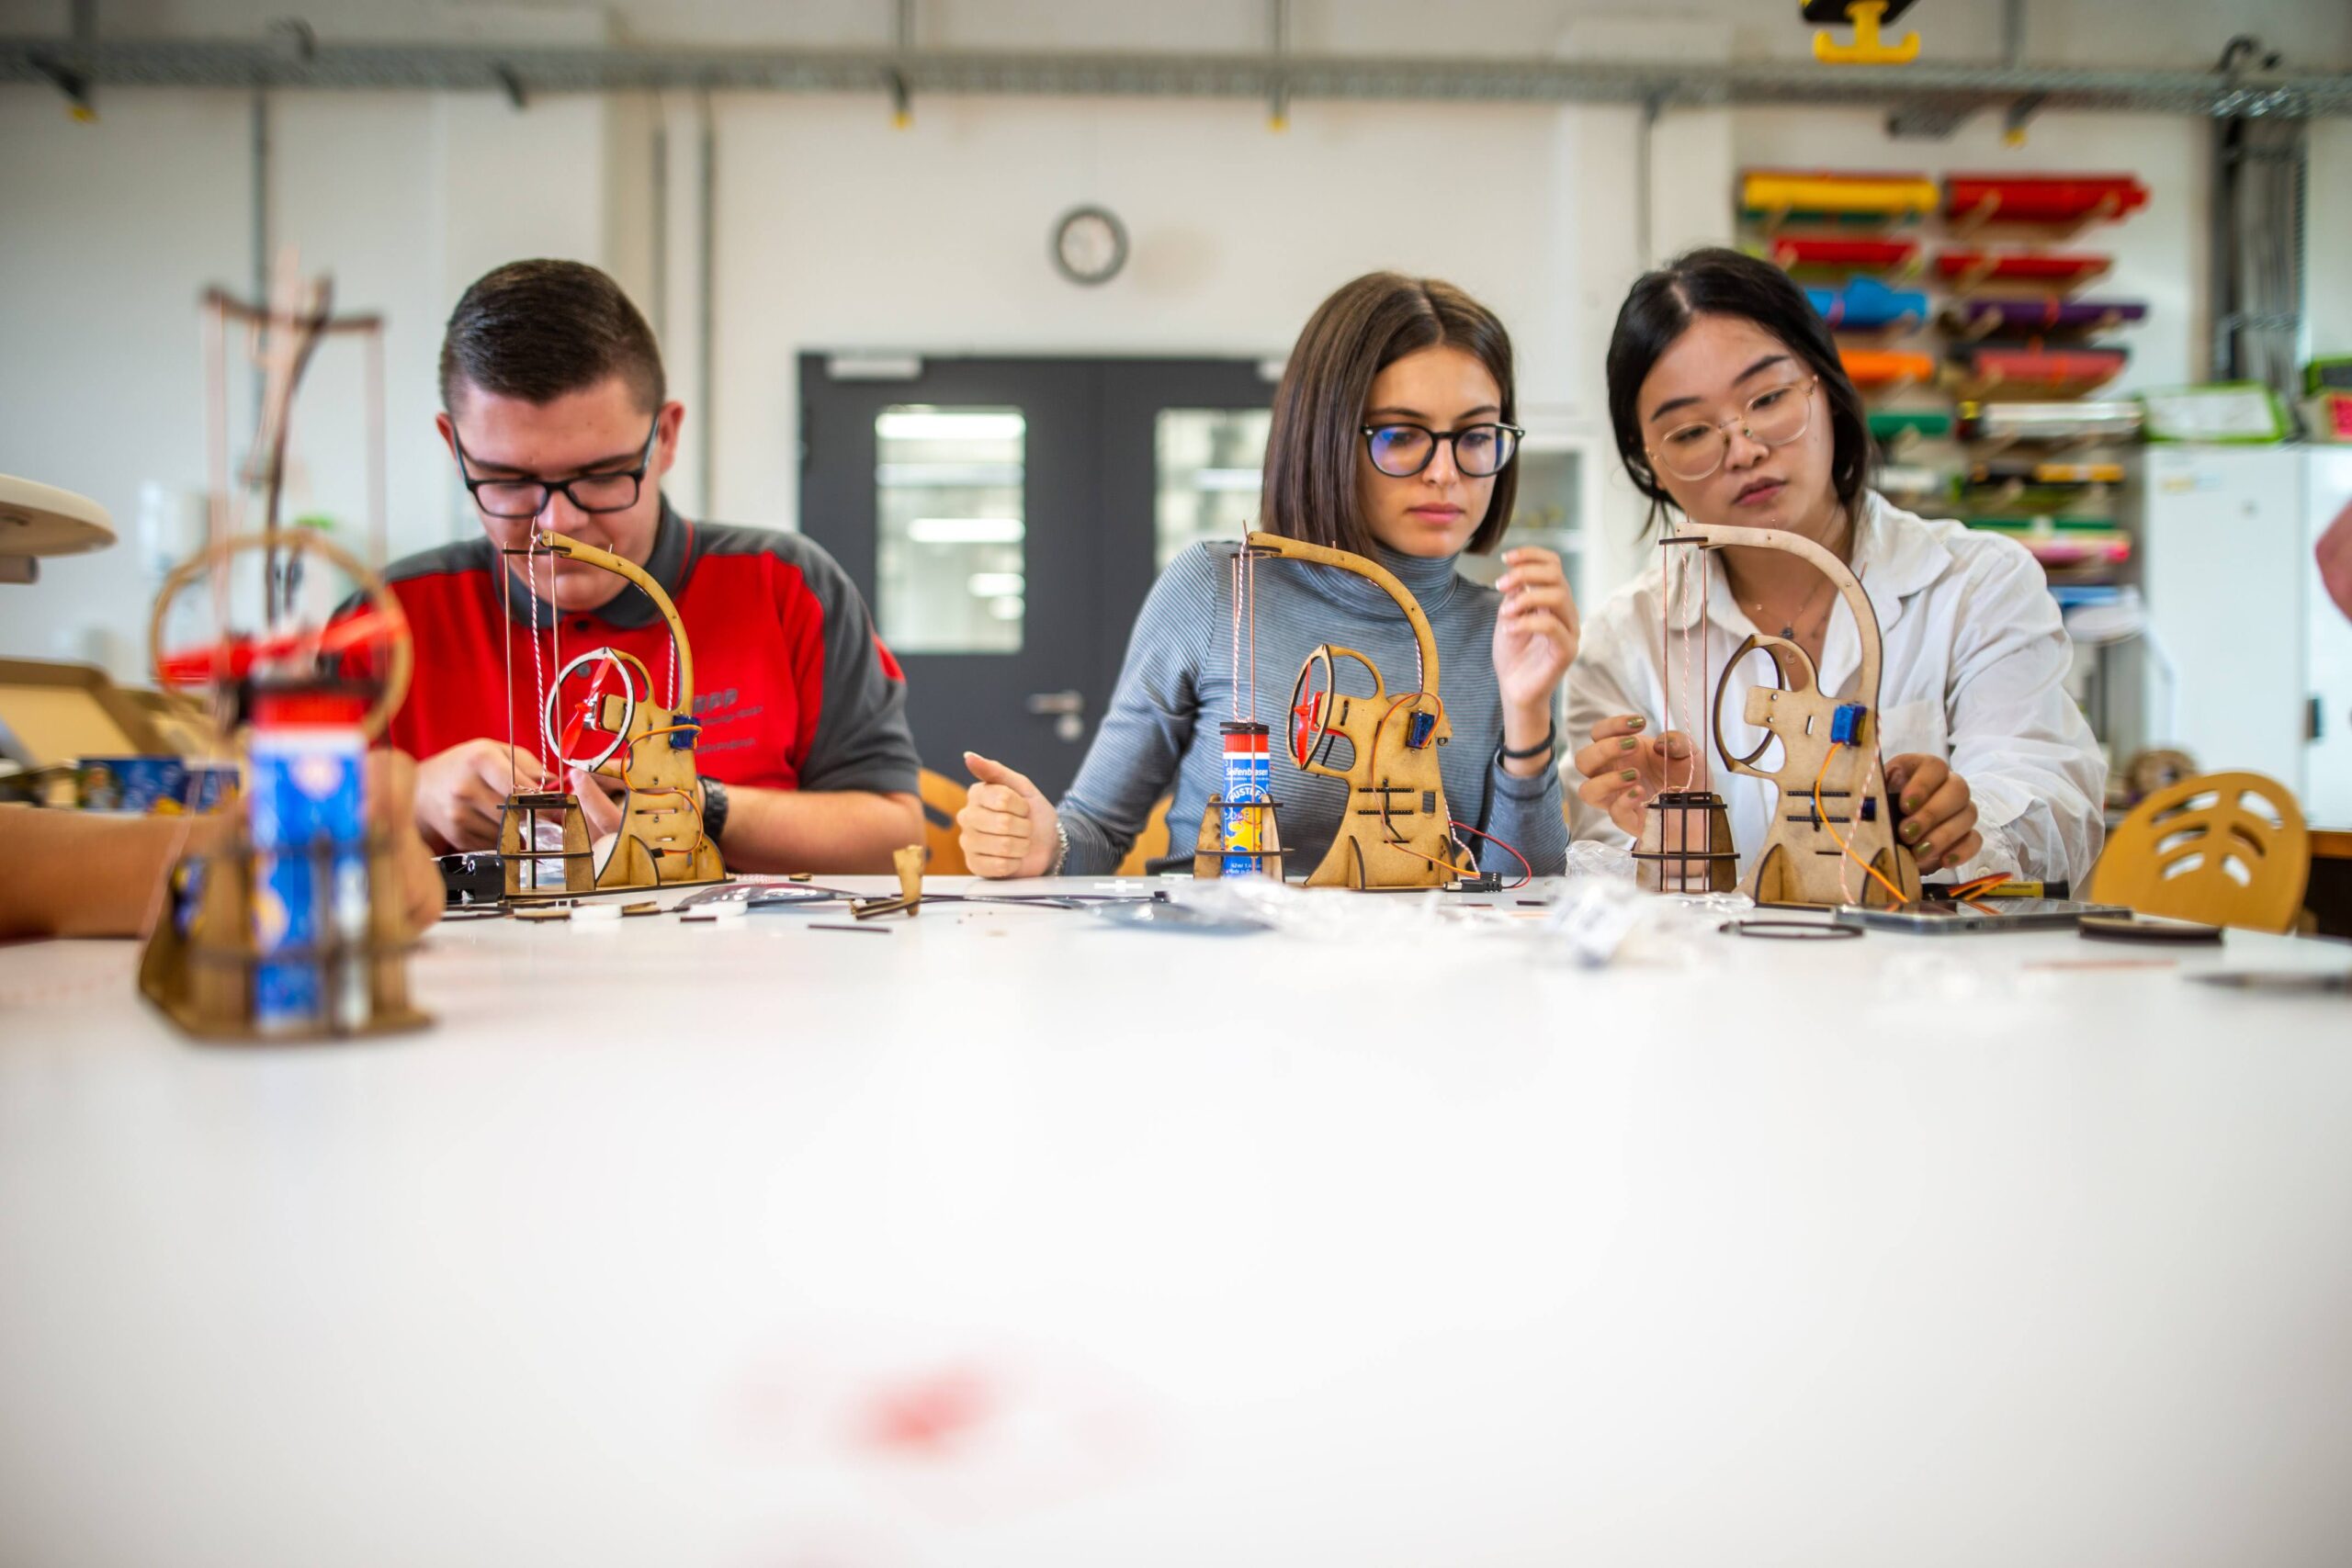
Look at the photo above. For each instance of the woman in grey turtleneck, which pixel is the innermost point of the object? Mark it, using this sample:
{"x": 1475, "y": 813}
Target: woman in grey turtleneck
{"x": 1392, "y": 438}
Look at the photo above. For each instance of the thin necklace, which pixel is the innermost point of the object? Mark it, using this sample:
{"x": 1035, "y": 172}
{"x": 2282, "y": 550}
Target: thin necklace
{"x": 1804, "y": 610}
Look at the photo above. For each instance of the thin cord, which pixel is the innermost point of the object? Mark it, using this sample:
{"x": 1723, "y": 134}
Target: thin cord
{"x": 1236, "y": 665}
{"x": 1249, "y": 571}
{"x": 1845, "y": 891}
{"x": 538, "y": 672}
{"x": 1690, "y": 699}
{"x": 1527, "y": 872}
{"x": 506, "y": 651}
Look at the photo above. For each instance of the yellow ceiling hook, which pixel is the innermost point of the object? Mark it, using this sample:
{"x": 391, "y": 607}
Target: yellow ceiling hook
{"x": 1868, "y": 47}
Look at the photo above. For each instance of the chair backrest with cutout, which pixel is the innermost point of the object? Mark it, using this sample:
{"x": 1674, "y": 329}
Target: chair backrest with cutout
{"x": 2225, "y": 848}
{"x": 943, "y": 797}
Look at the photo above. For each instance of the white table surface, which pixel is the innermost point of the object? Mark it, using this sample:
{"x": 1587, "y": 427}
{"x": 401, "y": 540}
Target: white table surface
{"x": 1011, "y": 1239}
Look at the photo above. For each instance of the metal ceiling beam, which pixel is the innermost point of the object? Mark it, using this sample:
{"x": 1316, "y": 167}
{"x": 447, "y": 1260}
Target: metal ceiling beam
{"x": 128, "y": 62}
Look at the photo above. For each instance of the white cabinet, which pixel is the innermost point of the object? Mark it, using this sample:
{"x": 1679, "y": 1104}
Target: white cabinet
{"x": 2225, "y": 563}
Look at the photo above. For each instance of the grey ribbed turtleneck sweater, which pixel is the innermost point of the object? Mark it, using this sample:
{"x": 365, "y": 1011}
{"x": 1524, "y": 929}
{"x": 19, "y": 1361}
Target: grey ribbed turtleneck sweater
{"x": 1178, "y": 685}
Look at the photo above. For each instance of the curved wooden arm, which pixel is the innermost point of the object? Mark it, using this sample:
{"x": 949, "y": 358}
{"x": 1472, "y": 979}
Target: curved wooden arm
{"x": 1298, "y": 549}
{"x": 1850, "y": 587}
{"x": 401, "y": 660}
{"x": 1787, "y": 658}
{"x": 565, "y": 545}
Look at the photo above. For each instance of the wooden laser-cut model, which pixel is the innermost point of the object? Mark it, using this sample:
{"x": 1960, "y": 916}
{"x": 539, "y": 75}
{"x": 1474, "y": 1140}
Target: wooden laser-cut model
{"x": 207, "y": 951}
{"x": 1832, "y": 839}
{"x": 1395, "y": 832}
{"x": 649, "y": 749}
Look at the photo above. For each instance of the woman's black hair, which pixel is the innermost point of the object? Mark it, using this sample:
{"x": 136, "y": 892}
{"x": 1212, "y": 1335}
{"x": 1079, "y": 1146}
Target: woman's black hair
{"x": 1719, "y": 282}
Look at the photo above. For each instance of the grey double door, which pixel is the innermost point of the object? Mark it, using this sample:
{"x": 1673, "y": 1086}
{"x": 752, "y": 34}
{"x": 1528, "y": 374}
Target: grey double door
{"x": 1005, "y": 517}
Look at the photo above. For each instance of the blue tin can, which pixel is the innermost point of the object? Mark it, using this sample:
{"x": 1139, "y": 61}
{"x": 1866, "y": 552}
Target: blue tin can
{"x": 306, "y": 811}
{"x": 1248, "y": 783}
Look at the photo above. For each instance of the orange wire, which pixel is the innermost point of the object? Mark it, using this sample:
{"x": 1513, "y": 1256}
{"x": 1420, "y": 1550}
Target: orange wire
{"x": 1823, "y": 818}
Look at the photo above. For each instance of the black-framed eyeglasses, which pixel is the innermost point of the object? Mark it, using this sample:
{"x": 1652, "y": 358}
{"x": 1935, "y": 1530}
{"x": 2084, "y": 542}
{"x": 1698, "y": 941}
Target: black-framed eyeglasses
{"x": 1481, "y": 451}
{"x": 516, "y": 498}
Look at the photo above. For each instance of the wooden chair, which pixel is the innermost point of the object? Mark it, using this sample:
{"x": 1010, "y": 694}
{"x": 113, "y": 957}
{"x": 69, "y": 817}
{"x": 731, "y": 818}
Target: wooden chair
{"x": 943, "y": 797}
{"x": 1151, "y": 843}
{"x": 2224, "y": 849}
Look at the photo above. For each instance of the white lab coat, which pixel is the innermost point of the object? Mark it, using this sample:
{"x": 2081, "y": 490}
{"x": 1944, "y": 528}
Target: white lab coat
{"x": 1973, "y": 670}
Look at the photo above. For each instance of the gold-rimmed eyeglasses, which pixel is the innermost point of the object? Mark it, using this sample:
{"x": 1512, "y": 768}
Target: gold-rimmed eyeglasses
{"x": 1773, "y": 417}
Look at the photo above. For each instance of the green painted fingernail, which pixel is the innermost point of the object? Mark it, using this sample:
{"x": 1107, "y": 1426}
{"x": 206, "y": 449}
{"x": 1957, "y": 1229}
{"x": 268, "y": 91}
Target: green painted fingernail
{"x": 1627, "y": 744}
{"x": 1910, "y": 829}
{"x": 1639, "y": 722}
{"x": 1911, "y": 803}
{"x": 1629, "y": 774}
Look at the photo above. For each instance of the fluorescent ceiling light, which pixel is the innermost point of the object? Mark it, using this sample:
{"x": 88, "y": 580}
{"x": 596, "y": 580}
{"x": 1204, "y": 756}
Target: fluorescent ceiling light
{"x": 966, "y": 531}
{"x": 1228, "y": 479}
{"x": 988, "y": 585}
{"x": 947, "y": 424}
{"x": 1008, "y": 608}
{"x": 947, "y": 476}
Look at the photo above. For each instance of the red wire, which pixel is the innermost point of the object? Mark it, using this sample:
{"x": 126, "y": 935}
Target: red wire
{"x": 1527, "y": 871}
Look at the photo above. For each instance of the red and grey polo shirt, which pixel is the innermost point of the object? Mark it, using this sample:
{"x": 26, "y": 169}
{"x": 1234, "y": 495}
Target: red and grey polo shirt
{"x": 792, "y": 687}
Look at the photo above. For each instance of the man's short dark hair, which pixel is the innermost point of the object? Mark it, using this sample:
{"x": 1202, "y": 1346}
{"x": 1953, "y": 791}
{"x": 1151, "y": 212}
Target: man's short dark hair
{"x": 538, "y": 330}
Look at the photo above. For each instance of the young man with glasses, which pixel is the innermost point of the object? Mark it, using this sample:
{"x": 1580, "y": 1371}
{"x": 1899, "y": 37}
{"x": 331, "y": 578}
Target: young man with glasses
{"x": 555, "y": 417}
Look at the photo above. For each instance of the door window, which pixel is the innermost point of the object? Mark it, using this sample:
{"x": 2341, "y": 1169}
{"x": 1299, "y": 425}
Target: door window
{"x": 1208, "y": 463}
{"x": 951, "y": 546}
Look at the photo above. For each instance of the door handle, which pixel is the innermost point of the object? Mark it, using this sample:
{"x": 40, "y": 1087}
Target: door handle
{"x": 1068, "y": 710}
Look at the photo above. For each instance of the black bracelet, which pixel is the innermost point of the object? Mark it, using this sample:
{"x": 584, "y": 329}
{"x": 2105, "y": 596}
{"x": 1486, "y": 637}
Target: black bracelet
{"x": 1543, "y": 748}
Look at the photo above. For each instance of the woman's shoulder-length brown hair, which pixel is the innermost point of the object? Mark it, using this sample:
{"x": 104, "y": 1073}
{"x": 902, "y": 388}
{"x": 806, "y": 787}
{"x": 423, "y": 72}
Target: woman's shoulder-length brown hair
{"x": 1310, "y": 490}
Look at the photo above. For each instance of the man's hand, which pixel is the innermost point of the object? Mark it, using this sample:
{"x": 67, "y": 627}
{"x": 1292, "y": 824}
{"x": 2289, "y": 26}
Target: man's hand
{"x": 461, "y": 793}
{"x": 600, "y": 802}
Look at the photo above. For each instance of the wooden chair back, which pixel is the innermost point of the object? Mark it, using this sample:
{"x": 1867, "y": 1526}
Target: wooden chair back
{"x": 2224, "y": 849}
{"x": 943, "y": 797}
{"x": 1151, "y": 843}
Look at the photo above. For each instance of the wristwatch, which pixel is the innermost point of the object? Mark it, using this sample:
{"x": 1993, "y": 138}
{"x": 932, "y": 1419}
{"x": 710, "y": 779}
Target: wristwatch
{"x": 714, "y": 808}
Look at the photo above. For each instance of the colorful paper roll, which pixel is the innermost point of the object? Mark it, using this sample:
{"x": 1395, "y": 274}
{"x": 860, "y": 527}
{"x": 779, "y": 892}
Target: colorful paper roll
{"x": 2041, "y": 198}
{"x": 1878, "y": 367}
{"x": 1979, "y": 317}
{"x": 1885, "y": 198}
{"x": 2039, "y": 369}
{"x": 1965, "y": 268}
{"x": 1868, "y": 305}
{"x": 1821, "y": 254}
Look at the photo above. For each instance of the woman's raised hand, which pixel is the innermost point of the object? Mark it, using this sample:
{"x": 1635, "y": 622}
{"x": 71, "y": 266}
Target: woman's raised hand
{"x": 1007, "y": 827}
{"x": 1624, "y": 769}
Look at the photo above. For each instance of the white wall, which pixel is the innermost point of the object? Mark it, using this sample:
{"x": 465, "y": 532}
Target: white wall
{"x": 115, "y": 227}
{"x": 835, "y": 230}
{"x": 839, "y": 232}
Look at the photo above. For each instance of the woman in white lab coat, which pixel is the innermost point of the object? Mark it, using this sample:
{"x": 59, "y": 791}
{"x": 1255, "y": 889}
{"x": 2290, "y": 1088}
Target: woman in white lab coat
{"x": 1730, "y": 407}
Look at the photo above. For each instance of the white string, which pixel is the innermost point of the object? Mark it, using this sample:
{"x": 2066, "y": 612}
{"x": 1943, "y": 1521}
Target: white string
{"x": 1689, "y": 697}
{"x": 1236, "y": 665}
{"x": 538, "y": 672}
